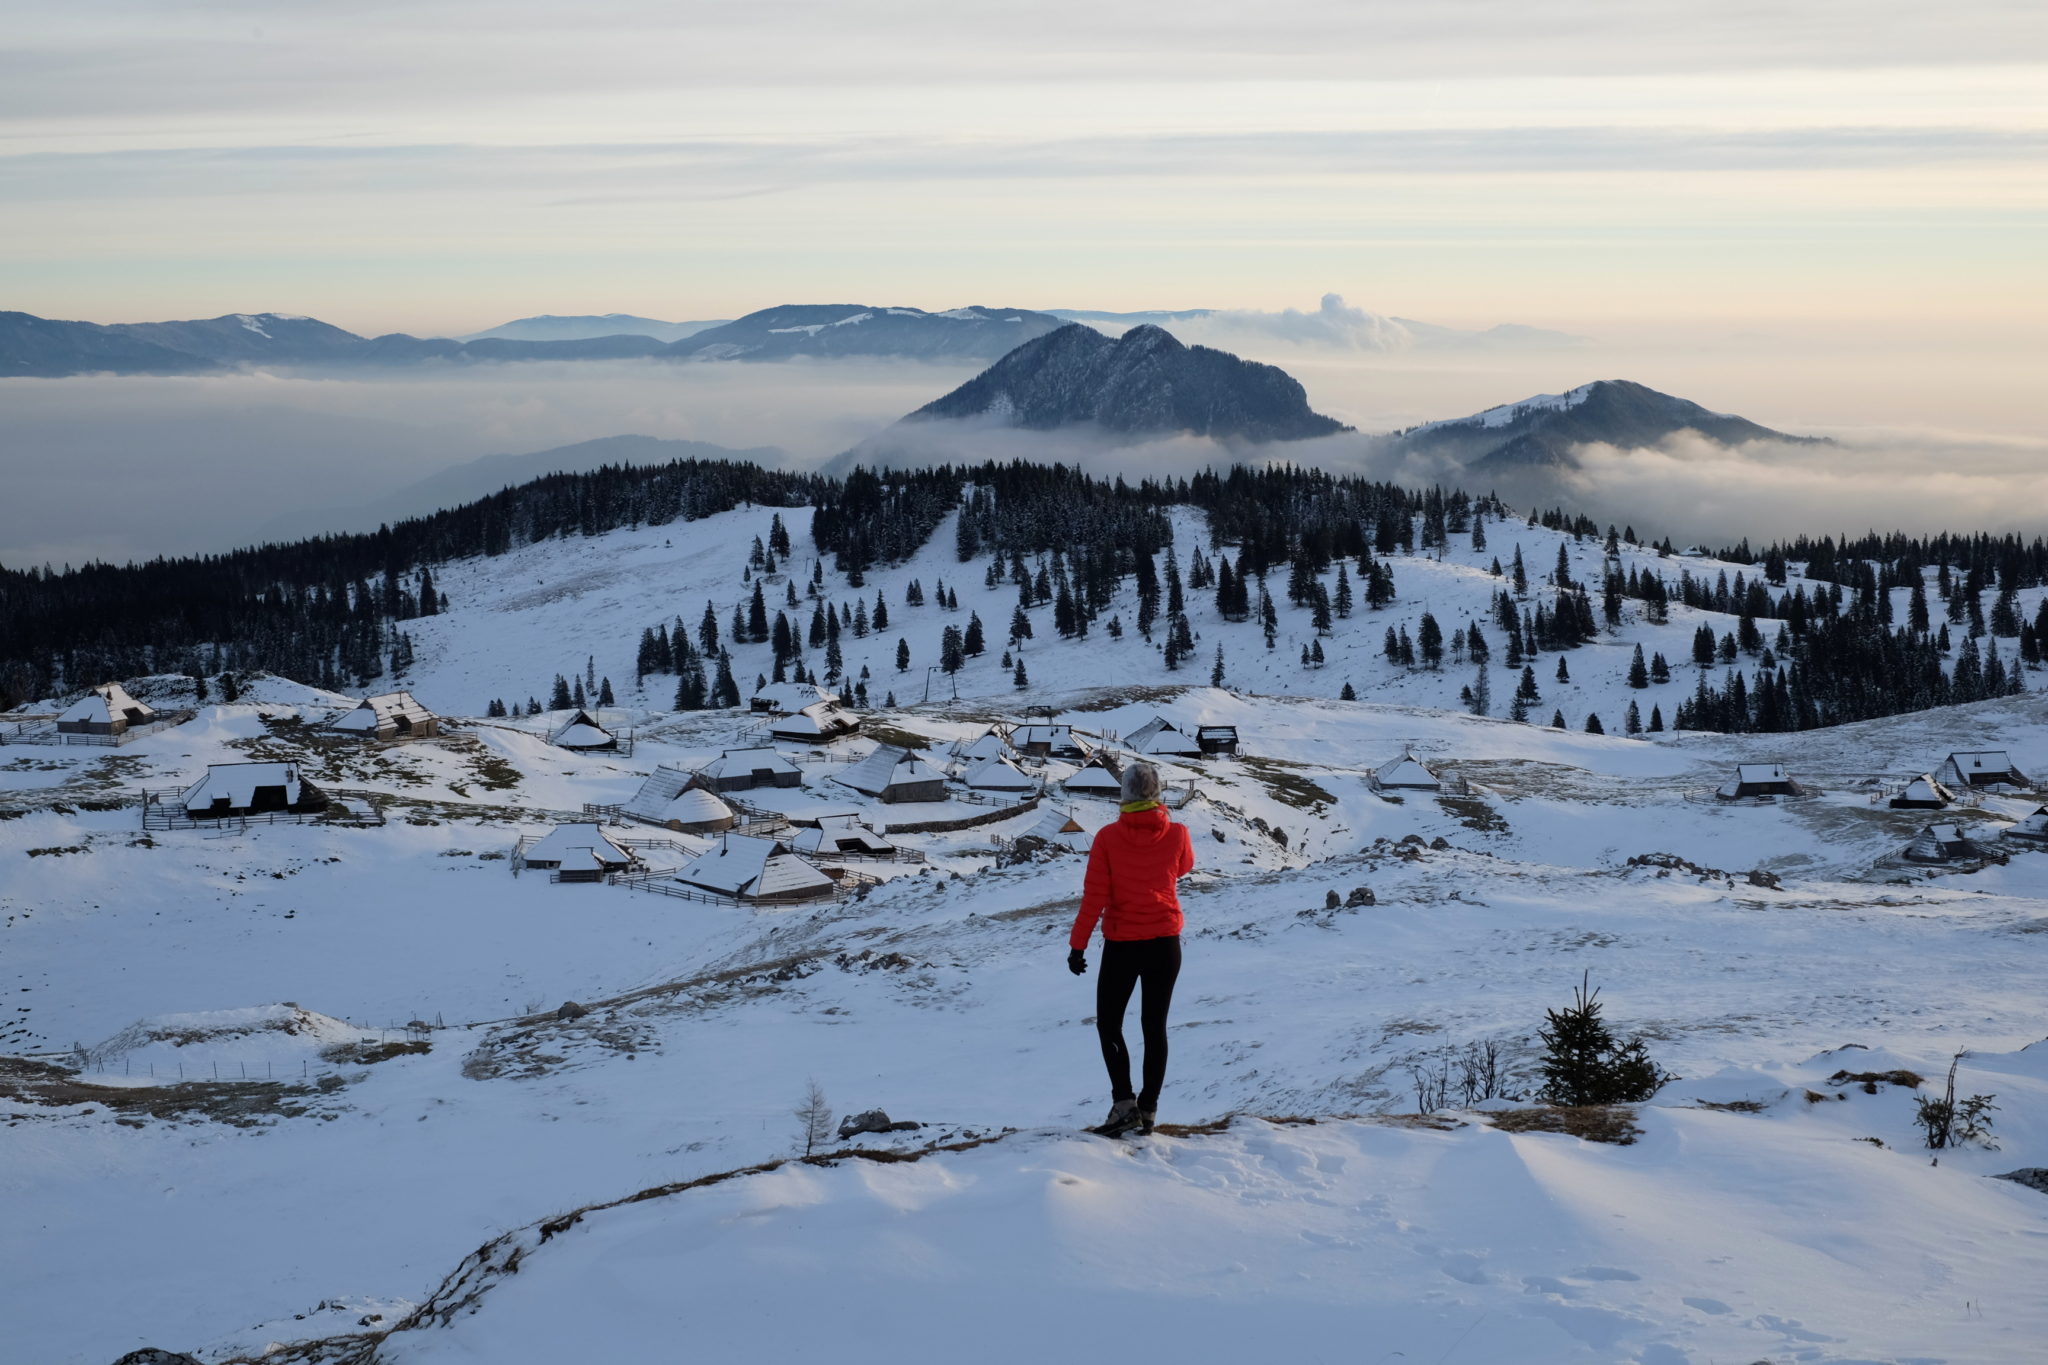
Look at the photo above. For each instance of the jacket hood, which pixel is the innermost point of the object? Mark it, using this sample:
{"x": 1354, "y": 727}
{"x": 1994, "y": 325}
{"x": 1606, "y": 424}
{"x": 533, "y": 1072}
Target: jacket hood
{"x": 1151, "y": 824}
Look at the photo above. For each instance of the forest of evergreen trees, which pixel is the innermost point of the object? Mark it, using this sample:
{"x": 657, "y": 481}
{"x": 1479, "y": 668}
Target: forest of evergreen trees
{"x": 332, "y": 611}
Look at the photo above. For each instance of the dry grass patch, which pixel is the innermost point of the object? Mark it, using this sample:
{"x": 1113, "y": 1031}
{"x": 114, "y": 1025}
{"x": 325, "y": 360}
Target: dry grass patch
{"x": 1615, "y": 1123}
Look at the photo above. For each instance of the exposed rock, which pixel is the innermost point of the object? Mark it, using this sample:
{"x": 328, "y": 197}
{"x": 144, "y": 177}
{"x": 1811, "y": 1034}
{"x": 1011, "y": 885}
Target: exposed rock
{"x": 150, "y": 1355}
{"x": 1361, "y": 895}
{"x": 570, "y": 1010}
{"x": 873, "y": 1121}
{"x": 2033, "y": 1177}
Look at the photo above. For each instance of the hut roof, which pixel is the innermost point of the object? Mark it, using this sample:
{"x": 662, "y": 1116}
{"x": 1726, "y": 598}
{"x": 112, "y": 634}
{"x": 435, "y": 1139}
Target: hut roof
{"x": 104, "y": 705}
{"x": 374, "y": 713}
{"x": 741, "y": 865}
{"x": 2034, "y": 826}
{"x": 1747, "y": 773}
{"x": 814, "y": 722}
{"x": 237, "y": 782}
{"x": 1098, "y": 774}
{"x": 1925, "y": 791}
{"x": 1159, "y": 737}
{"x": 1056, "y": 826}
{"x": 987, "y": 746}
{"x": 737, "y": 762}
{"x": 581, "y": 731}
{"x": 694, "y": 806}
{"x": 999, "y": 774}
{"x": 1216, "y": 732}
{"x": 1973, "y": 765}
{"x": 889, "y": 766}
{"x": 660, "y": 788}
{"x": 1406, "y": 771}
{"x": 1939, "y": 843}
{"x": 834, "y": 833}
{"x": 1054, "y": 736}
{"x": 559, "y": 843}
{"x": 787, "y": 698}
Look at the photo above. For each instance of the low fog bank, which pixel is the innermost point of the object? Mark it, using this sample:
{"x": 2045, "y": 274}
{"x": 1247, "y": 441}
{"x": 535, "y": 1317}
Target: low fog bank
{"x": 127, "y": 468}
{"x": 1927, "y": 437}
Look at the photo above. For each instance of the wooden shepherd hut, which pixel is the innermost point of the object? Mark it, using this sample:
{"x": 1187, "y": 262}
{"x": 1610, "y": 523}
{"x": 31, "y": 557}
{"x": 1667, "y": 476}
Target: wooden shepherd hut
{"x": 894, "y": 774}
{"x": 738, "y": 770}
{"x": 231, "y": 789}
{"x": 1759, "y": 779}
{"x": 576, "y": 853}
{"x": 106, "y": 710}
{"x": 2032, "y": 830}
{"x": 582, "y": 733}
{"x": 1405, "y": 774}
{"x": 1158, "y": 738}
{"x": 1101, "y": 776}
{"x": 1924, "y": 793}
{"x": 1982, "y": 768}
{"x": 1217, "y": 739}
{"x": 760, "y": 870}
{"x": 391, "y": 716}
{"x": 671, "y": 798}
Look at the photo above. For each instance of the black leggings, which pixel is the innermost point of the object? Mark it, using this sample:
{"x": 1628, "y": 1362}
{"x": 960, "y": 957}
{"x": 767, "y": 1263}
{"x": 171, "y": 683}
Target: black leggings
{"x": 1156, "y": 962}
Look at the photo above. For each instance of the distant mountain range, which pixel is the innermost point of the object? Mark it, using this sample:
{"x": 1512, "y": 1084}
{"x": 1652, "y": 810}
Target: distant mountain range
{"x": 1141, "y": 383}
{"x": 41, "y": 347}
{"x": 584, "y": 327}
{"x": 1541, "y": 432}
{"x": 1333, "y": 324}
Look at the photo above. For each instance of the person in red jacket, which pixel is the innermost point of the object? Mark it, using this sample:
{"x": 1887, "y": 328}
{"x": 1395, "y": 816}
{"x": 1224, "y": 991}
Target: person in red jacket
{"x": 1132, "y": 868}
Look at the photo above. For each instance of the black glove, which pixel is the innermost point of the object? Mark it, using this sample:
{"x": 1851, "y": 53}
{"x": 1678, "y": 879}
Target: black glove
{"x": 1077, "y": 962}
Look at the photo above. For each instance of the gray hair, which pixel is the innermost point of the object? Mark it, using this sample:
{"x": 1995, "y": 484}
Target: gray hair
{"x": 1141, "y": 782}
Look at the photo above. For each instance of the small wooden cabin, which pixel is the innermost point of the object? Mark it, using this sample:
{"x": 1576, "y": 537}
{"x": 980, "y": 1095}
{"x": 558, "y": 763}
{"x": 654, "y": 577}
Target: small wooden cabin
{"x": 1101, "y": 776}
{"x": 576, "y": 853}
{"x": 1045, "y": 740}
{"x": 1924, "y": 793}
{"x": 1405, "y": 774}
{"x": 390, "y": 716}
{"x": 582, "y": 733}
{"x": 1159, "y": 738}
{"x": 232, "y": 789}
{"x": 788, "y": 698}
{"x": 998, "y": 775}
{"x": 738, "y": 770}
{"x": 1217, "y": 739}
{"x": 819, "y": 723}
{"x": 106, "y": 710}
{"x": 1759, "y": 779}
{"x": 894, "y": 774}
{"x": 761, "y": 870}
{"x": 2032, "y": 830}
{"x": 841, "y": 835}
{"x": 1982, "y": 768}
{"x": 1941, "y": 844}
{"x": 1055, "y": 829}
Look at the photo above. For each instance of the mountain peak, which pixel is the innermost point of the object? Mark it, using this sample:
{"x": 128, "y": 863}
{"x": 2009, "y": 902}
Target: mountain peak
{"x": 1544, "y": 430}
{"x": 1145, "y": 382}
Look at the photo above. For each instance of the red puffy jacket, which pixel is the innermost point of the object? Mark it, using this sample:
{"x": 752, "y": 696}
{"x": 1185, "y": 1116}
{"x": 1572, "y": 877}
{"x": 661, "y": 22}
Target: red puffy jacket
{"x": 1132, "y": 867}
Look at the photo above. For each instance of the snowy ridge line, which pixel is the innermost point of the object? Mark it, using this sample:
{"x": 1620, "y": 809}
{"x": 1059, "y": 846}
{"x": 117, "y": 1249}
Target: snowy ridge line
{"x": 465, "y": 1287}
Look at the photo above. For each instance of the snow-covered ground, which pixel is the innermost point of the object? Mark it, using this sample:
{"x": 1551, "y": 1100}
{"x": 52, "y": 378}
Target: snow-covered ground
{"x": 1772, "y": 1232}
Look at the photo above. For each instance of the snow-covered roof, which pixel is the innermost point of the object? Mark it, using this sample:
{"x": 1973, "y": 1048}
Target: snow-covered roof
{"x": 835, "y": 833}
{"x": 741, "y": 865}
{"x": 1747, "y": 773}
{"x": 738, "y": 762}
{"x": 559, "y": 843}
{"x": 1982, "y": 763}
{"x": 1094, "y": 777}
{"x": 581, "y": 731}
{"x": 1406, "y": 771}
{"x": 1216, "y": 732}
{"x": 661, "y": 787}
{"x": 374, "y": 713}
{"x": 105, "y": 704}
{"x": 1000, "y": 775}
{"x": 1924, "y": 790}
{"x": 694, "y": 806}
{"x": 237, "y": 782}
{"x": 818, "y": 719}
{"x": 2035, "y": 825}
{"x": 989, "y": 745}
{"x": 889, "y": 766}
{"x": 1057, "y": 736}
{"x": 790, "y": 697}
{"x": 1160, "y": 738}
{"x": 1057, "y": 826}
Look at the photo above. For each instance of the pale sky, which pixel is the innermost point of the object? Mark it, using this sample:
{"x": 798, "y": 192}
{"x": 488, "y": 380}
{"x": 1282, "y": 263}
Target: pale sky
{"x": 1617, "y": 168}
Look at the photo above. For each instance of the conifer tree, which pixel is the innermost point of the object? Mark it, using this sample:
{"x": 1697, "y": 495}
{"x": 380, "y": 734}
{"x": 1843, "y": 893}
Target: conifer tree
{"x": 1583, "y": 1063}
{"x": 1349, "y": 693}
{"x": 903, "y": 656}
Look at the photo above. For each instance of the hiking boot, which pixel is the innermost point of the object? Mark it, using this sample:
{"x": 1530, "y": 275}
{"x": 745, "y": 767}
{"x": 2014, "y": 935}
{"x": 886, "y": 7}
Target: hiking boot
{"x": 1123, "y": 1117}
{"x": 1146, "y": 1119}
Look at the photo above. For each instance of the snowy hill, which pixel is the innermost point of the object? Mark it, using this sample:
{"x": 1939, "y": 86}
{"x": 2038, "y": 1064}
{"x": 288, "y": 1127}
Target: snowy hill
{"x": 1541, "y": 432}
{"x": 1348, "y": 947}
